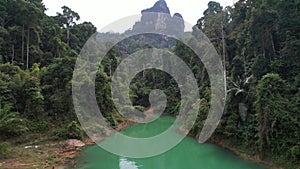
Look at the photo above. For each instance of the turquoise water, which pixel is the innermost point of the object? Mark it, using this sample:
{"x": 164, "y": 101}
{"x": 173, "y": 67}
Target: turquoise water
{"x": 188, "y": 154}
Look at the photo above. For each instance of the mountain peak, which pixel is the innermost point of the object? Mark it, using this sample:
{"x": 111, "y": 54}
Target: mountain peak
{"x": 160, "y": 6}
{"x": 158, "y": 18}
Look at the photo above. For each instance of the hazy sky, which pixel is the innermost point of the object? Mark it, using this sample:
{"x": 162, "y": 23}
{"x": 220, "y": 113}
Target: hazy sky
{"x": 103, "y": 13}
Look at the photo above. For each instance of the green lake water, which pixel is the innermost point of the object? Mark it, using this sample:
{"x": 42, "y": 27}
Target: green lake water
{"x": 188, "y": 154}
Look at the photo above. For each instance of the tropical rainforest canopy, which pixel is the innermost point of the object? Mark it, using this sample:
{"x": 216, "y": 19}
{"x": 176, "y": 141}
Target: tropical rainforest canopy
{"x": 259, "y": 42}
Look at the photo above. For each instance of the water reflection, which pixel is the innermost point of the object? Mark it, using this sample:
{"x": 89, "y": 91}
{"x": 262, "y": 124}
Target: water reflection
{"x": 126, "y": 164}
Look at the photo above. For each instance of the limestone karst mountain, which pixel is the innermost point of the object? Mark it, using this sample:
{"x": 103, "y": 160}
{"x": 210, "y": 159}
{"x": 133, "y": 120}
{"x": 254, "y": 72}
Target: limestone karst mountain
{"x": 160, "y": 6}
{"x": 159, "y": 19}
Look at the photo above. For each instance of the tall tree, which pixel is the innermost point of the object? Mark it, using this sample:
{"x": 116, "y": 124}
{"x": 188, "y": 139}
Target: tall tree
{"x": 270, "y": 106}
{"x": 213, "y": 24}
{"x": 68, "y": 19}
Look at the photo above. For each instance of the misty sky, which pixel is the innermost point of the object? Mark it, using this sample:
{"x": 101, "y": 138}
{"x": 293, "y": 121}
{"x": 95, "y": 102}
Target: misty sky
{"x": 103, "y": 13}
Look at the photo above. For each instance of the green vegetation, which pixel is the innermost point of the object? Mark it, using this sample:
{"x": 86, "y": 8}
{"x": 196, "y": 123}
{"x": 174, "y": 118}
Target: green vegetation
{"x": 259, "y": 42}
{"x": 72, "y": 131}
{"x": 10, "y": 123}
{"x": 5, "y": 150}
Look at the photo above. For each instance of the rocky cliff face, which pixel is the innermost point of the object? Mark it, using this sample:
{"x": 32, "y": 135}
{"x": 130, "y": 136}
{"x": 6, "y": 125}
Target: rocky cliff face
{"x": 161, "y": 21}
{"x": 160, "y": 6}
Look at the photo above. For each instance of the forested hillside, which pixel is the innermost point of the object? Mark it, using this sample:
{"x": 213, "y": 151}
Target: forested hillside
{"x": 37, "y": 57}
{"x": 259, "y": 42}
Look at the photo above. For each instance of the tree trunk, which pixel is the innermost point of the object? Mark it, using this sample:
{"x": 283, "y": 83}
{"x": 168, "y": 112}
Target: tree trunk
{"x": 144, "y": 70}
{"x": 273, "y": 45}
{"x": 110, "y": 71}
{"x": 68, "y": 37}
{"x": 27, "y": 54}
{"x": 57, "y": 54}
{"x": 12, "y": 53}
{"x": 224, "y": 53}
{"x": 296, "y": 10}
{"x": 22, "y": 53}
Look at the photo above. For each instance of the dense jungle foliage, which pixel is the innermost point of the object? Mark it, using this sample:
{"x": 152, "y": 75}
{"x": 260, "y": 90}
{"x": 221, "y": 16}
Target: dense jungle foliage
{"x": 258, "y": 40}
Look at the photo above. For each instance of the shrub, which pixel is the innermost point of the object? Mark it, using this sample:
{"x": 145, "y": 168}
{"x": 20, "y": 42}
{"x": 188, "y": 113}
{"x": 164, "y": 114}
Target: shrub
{"x": 5, "y": 150}
{"x": 11, "y": 124}
{"x": 72, "y": 131}
{"x": 38, "y": 126}
{"x": 295, "y": 152}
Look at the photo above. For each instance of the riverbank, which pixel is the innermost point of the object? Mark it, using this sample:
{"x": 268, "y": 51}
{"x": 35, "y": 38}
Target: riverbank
{"x": 49, "y": 154}
{"x": 45, "y": 154}
{"x": 227, "y": 144}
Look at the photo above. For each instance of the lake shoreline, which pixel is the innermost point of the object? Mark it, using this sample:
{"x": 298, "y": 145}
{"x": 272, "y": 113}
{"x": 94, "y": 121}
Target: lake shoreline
{"x": 60, "y": 155}
{"x": 254, "y": 158}
{"x": 223, "y": 144}
{"x": 46, "y": 155}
